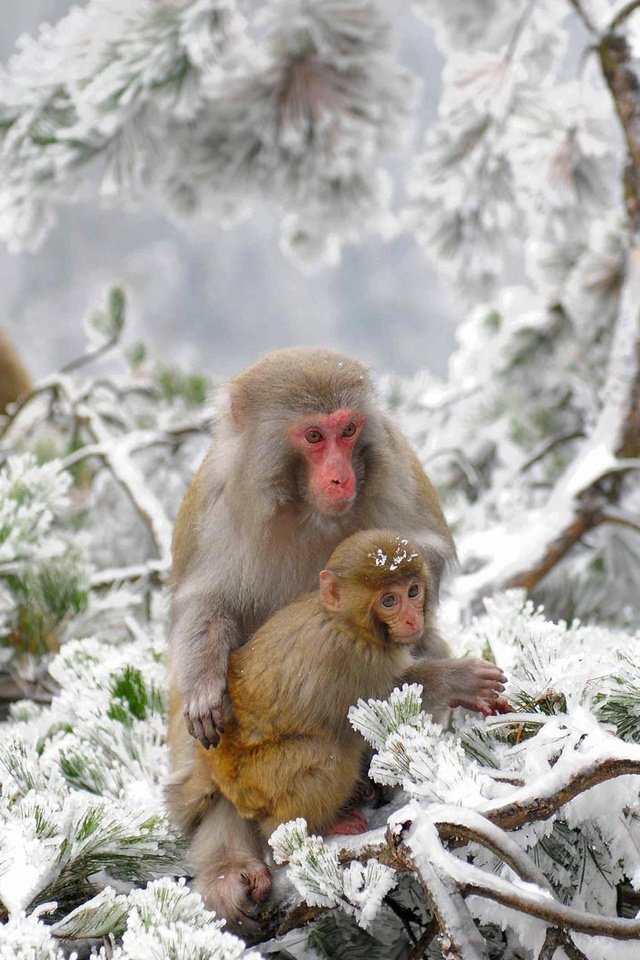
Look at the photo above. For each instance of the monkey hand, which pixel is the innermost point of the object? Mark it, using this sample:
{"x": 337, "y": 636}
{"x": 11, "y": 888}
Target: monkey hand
{"x": 501, "y": 705}
{"x": 479, "y": 685}
{"x": 489, "y": 708}
{"x": 204, "y": 711}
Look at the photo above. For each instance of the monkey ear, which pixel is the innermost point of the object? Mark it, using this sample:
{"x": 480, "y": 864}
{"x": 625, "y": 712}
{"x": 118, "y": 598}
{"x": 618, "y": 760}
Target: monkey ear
{"x": 330, "y": 590}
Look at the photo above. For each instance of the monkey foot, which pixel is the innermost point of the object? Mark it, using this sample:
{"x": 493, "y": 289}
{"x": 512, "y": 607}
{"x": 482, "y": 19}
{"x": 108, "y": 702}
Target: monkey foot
{"x": 348, "y": 823}
{"x": 236, "y": 893}
{"x": 257, "y": 878}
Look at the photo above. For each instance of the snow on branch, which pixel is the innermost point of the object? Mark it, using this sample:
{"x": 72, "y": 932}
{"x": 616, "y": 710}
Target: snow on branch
{"x": 209, "y": 110}
{"x": 132, "y": 480}
{"x": 420, "y": 839}
{"x": 92, "y": 88}
{"x": 425, "y": 850}
{"x": 487, "y": 845}
{"x": 574, "y": 505}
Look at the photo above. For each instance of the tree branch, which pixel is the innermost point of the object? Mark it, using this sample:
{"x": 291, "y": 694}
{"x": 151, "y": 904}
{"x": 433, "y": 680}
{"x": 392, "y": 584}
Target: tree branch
{"x": 542, "y": 806}
{"x": 621, "y": 521}
{"x": 622, "y": 14}
{"x": 555, "y": 938}
{"x": 415, "y": 842}
{"x": 584, "y": 520}
{"x": 493, "y": 838}
{"x": 461, "y": 938}
{"x": 547, "y": 447}
{"x": 577, "y": 6}
{"x": 424, "y": 941}
{"x": 553, "y": 912}
{"x": 131, "y": 480}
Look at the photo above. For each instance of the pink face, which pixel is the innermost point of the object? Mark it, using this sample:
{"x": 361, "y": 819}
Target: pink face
{"x": 326, "y": 443}
{"x": 400, "y": 605}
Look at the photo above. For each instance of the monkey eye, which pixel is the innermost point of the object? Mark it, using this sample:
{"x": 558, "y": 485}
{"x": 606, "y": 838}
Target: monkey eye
{"x": 313, "y": 436}
{"x": 414, "y": 590}
{"x": 349, "y": 430}
{"x": 388, "y": 600}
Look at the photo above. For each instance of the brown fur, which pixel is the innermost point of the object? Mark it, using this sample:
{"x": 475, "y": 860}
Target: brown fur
{"x": 15, "y": 381}
{"x": 246, "y": 540}
{"x": 288, "y": 749}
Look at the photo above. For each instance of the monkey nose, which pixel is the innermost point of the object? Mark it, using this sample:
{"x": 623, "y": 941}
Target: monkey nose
{"x": 340, "y": 483}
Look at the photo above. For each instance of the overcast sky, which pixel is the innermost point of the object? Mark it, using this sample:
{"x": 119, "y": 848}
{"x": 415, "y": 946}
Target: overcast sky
{"x": 214, "y": 298}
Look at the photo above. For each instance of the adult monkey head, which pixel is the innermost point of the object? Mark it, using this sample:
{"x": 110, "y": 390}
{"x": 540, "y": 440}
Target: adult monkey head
{"x": 308, "y": 409}
{"x": 302, "y": 456}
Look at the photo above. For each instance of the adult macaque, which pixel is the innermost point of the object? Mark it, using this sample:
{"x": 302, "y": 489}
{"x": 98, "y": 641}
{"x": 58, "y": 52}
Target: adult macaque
{"x": 287, "y": 749}
{"x": 301, "y": 458}
{"x": 15, "y": 381}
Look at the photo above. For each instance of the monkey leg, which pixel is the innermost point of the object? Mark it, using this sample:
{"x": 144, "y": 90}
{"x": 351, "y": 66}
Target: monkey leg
{"x": 308, "y": 778}
{"x": 348, "y": 824}
{"x": 232, "y": 877}
{"x": 190, "y": 793}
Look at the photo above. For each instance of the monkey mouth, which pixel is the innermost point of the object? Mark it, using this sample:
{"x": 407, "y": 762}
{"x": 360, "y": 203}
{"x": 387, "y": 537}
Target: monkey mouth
{"x": 408, "y": 638}
{"x": 335, "y": 506}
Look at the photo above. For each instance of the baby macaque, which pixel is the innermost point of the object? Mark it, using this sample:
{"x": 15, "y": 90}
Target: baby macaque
{"x": 288, "y": 749}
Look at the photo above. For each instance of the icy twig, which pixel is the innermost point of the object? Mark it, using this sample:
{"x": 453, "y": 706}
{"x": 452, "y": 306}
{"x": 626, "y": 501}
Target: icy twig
{"x": 556, "y": 938}
{"x": 623, "y": 14}
{"x": 443, "y": 893}
{"x": 133, "y": 442}
{"x": 473, "y": 827}
{"x": 156, "y": 570}
{"x": 117, "y": 456}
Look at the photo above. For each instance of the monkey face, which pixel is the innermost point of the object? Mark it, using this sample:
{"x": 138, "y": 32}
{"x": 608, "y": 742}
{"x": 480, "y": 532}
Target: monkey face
{"x": 400, "y": 606}
{"x": 326, "y": 442}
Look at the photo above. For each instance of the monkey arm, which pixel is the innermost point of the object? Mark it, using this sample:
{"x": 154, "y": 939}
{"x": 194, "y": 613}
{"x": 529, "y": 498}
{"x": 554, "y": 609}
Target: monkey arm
{"x": 465, "y": 681}
{"x": 200, "y": 641}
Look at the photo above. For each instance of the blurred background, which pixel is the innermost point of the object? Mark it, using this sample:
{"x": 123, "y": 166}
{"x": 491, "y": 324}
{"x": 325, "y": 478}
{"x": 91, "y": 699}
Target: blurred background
{"x": 214, "y": 298}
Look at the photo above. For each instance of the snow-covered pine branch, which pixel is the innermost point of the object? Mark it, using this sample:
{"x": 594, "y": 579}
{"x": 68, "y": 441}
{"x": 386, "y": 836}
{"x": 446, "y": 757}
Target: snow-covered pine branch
{"x": 74, "y": 452}
{"x": 208, "y": 110}
{"x": 534, "y": 439}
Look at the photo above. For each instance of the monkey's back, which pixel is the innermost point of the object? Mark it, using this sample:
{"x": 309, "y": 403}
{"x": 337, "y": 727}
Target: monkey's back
{"x": 303, "y": 669}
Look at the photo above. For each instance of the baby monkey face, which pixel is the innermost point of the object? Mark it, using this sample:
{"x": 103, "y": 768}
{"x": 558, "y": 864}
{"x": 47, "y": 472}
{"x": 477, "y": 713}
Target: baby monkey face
{"x": 399, "y": 605}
